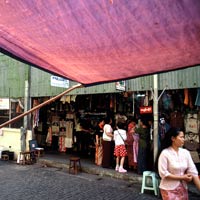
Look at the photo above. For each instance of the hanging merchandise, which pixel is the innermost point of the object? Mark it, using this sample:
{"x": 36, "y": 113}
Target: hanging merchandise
{"x": 55, "y": 128}
{"x": 73, "y": 98}
{"x": 146, "y": 99}
{"x": 186, "y": 96}
{"x": 167, "y": 101}
{"x": 192, "y": 126}
{"x": 111, "y": 101}
{"x": 69, "y": 134}
{"x": 177, "y": 119}
{"x": 49, "y": 137}
{"x": 35, "y": 114}
{"x": 62, "y": 147}
{"x": 191, "y": 123}
{"x": 67, "y": 99}
{"x": 163, "y": 127}
{"x": 197, "y": 102}
{"x": 191, "y": 141}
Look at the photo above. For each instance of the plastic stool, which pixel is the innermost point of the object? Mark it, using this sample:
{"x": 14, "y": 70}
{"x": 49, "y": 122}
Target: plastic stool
{"x": 74, "y": 164}
{"x": 150, "y": 182}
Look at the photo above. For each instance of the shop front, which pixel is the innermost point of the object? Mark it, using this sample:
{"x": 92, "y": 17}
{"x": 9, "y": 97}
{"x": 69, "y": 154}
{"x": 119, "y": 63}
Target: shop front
{"x": 68, "y": 124}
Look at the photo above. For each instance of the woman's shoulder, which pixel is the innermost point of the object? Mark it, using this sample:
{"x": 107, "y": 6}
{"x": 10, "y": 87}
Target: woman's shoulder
{"x": 122, "y": 131}
{"x": 115, "y": 131}
{"x": 107, "y": 125}
{"x": 166, "y": 151}
{"x": 169, "y": 150}
{"x": 184, "y": 151}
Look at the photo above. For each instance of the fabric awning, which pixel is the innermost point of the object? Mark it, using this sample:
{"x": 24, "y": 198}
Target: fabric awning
{"x": 95, "y": 41}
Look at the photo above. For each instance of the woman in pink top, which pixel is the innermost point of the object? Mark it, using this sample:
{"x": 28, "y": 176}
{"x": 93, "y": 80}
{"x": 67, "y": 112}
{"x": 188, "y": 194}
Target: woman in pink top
{"x": 176, "y": 167}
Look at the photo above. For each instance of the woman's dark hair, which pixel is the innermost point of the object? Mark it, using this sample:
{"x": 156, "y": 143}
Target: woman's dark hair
{"x": 107, "y": 120}
{"x": 144, "y": 121}
{"x": 172, "y": 132}
{"x": 167, "y": 142}
{"x": 120, "y": 125}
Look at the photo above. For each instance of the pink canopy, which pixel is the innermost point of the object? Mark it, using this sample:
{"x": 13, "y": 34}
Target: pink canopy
{"x": 94, "y": 41}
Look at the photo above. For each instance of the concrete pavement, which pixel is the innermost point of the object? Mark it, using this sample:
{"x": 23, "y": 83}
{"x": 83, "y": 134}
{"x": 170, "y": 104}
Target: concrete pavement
{"x": 49, "y": 179}
{"x": 88, "y": 166}
{"x": 61, "y": 161}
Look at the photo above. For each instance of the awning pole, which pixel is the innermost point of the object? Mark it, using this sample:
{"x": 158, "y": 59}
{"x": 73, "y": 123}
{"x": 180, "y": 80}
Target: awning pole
{"x": 41, "y": 105}
{"x": 155, "y": 116}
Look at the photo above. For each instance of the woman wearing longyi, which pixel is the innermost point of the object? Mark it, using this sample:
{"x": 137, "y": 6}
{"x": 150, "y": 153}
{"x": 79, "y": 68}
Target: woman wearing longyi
{"x": 176, "y": 167}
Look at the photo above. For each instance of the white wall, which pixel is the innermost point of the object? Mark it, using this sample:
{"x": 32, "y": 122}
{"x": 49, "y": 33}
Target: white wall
{"x": 10, "y": 139}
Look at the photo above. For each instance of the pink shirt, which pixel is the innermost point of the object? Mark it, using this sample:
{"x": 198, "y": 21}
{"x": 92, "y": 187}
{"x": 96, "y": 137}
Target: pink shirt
{"x": 171, "y": 162}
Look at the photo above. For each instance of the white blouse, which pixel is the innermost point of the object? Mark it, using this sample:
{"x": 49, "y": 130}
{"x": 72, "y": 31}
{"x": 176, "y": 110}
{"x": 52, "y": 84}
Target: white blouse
{"x": 176, "y": 163}
{"x": 118, "y": 139}
{"x": 107, "y": 129}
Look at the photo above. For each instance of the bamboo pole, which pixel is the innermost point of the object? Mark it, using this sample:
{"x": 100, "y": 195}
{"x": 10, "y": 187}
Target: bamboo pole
{"x": 40, "y": 105}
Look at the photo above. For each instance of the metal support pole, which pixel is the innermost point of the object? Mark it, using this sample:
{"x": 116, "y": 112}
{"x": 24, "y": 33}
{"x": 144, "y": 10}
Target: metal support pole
{"x": 10, "y": 108}
{"x": 155, "y": 116}
{"x": 26, "y": 95}
{"x": 133, "y": 96}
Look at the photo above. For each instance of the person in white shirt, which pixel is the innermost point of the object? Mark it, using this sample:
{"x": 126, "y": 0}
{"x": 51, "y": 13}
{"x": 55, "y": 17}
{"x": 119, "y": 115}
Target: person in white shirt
{"x": 107, "y": 143}
{"x": 176, "y": 167}
{"x": 120, "y": 148}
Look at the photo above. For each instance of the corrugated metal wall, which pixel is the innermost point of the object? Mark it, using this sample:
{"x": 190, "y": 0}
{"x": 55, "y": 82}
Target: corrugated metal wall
{"x": 12, "y": 77}
{"x": 14, "y": 73}
{"x": 40, "y": 86}
{"x": 179, "y": 79}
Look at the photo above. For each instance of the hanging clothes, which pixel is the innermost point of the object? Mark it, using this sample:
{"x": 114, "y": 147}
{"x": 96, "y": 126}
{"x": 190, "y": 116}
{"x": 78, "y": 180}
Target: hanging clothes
{"x": 197, "y": 101}
{"x": 167, "y": 101}
{"x": 177, "y": 119}
{"x": 69, "y": 134}
{"x": 192, "y": 123}
{"x": 162, "y": 130}
{"x": 146, "y": 99}
{"x": 186, "y": 96}
{"x": 61, "y": 142}
{"x": 49, "y": 136}
{"x": 35, "y": 114}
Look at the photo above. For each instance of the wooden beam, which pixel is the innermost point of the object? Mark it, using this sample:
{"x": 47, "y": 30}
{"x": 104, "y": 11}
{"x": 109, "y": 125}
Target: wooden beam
{"x": 41, "y": 105}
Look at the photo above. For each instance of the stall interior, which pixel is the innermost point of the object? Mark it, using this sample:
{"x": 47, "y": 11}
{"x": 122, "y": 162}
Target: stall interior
{"x": 69, "y": 125}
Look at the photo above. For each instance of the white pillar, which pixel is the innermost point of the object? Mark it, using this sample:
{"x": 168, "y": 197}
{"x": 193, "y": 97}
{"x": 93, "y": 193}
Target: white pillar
{"x": 26, "y": 103}
{"x": 155, "y": 115}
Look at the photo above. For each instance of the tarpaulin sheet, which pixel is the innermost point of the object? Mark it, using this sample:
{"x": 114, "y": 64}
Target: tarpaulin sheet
{"x": 94, "y": 41}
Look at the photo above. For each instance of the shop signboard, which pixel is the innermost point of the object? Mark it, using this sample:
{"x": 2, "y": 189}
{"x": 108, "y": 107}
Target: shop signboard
{"x": 4, "y": 104}
{"x": 59, "y": 82}
{"x": 146, "y": 110}
{"x": 120, "y": 85}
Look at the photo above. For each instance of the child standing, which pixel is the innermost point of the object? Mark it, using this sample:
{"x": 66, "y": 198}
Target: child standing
{"x": 120, "y": 148}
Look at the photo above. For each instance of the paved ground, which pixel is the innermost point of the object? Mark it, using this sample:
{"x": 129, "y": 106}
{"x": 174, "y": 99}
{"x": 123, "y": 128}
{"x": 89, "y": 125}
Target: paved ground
{"x": 40, "y": 183}
{"x": 37, "y": 182}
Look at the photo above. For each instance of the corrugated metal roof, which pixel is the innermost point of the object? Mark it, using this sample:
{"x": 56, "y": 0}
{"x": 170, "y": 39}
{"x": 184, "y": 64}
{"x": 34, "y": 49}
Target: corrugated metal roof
{"x": 179, "y": 79}
{"x": 40, "y": 86}
{"x": 13, "y": 80}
